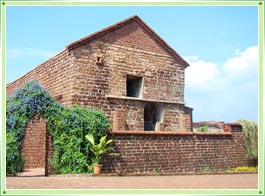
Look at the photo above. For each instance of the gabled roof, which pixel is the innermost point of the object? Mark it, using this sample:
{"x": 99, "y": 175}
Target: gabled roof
{"x": 121, "y": 24}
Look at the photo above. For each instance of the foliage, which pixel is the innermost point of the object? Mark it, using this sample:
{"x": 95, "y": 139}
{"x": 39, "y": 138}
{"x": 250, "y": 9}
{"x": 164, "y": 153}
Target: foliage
{"x": 22, "y": 105}
{"x": 250, "y": 133}
{"x": 68, "y": 127}
{"x": 204, "y": 128}
{"x": 242, "y": 169}
{"x": 114, "y": 155}
{"x": 99, "y": 149}
{"x": 245, "y": 169}
{"x": 206, "y": 169}
{"x": 228, "y": 170}
{"x": 156, "y": 171}
{"x": 72, "y": 153}
{"x": 13, "y": 154}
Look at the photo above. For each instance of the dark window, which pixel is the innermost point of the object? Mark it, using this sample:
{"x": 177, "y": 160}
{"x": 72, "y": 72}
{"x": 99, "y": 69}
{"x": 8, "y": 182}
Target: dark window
{"x": 134, "y": 86}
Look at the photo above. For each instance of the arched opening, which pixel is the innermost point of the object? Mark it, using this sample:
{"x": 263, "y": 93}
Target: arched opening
{"x": 152, "y": 116}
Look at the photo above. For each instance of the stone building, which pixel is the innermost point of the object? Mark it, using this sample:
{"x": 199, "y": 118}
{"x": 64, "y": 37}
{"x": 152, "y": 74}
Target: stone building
{"x": 126, "y": 70}
{"x": 137, "y": 79}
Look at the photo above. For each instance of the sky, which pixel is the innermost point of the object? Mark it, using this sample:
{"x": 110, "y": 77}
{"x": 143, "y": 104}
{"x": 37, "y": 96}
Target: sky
{"x": 219, "y": 42}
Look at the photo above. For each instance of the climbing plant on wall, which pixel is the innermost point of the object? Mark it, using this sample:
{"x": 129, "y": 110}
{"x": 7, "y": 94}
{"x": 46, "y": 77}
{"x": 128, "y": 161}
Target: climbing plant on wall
{"x": 68, "y": 127}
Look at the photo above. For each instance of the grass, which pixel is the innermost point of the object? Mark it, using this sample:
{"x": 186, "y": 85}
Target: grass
{"x": 250, "y": 133}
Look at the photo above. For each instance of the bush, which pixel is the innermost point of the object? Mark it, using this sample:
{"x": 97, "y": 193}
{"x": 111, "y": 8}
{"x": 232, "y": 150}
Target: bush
{"x": 204, "y": 128}
{"x": 22, "y": 105}
{"x": 68, "y": 127}
{"x": 72, "y": 154}
{"x": 13, "y": 155}
{"x": 250, "y": 133}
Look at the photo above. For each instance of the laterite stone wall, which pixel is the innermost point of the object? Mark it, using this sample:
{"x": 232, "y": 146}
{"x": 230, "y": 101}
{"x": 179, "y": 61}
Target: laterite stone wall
{"x": 55, "y": 74}
{"x": 34, "y": 144}
{"x": 37, "y": 147}
{"x": 176, "y": 153}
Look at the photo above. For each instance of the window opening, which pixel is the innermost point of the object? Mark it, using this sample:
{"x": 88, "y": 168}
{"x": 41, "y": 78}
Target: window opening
{"x": 99, "y": 60}
{"x": 134, "y": 86}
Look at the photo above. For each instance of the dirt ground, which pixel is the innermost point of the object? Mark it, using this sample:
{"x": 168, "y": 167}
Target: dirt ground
{"x": 34, "y": 179}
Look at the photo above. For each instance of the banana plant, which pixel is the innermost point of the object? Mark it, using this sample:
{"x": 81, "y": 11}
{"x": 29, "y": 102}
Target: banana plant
{"x": 99, "y": 149}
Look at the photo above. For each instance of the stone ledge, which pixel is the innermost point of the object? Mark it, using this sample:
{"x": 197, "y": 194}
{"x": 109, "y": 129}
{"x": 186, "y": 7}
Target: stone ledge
{"x": 143, "y": 100}
{"x": 125, "y": 132}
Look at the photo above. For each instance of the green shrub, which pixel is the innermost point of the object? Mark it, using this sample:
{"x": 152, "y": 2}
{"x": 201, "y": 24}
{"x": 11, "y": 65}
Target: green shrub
{"x": 14, "y": 157}
{"x": 72, "y": 154}
{"x": 206, "y": 169}
{"x": 228, "y": 170}
{"x": 250, "y": 133}
{"x": 68, "y": 127}
{"x": 156, "y": 171}
{"x": 204, "y": 128}
{"x": 21, "y": 106}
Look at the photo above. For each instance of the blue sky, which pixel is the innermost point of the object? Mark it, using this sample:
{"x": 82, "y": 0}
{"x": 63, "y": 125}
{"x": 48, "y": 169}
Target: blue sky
{"x": 219, "y": 42}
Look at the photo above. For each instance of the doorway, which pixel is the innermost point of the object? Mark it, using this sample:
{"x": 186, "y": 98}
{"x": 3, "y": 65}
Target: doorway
{"x": 35, "y": 147}
{"x": 153, "y": 113}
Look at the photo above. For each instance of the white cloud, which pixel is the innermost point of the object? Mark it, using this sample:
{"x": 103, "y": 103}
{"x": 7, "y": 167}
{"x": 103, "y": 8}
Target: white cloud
{"x": 22, "y": 52}
{"x": 224, "y": 91}
{"x": 200, "y": 72}
{"x": 244, "y": 61}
